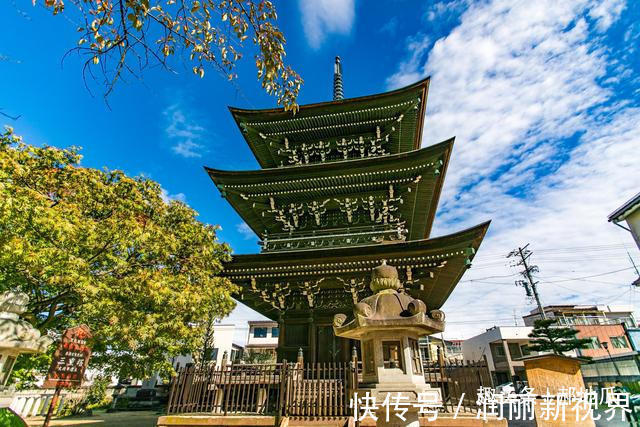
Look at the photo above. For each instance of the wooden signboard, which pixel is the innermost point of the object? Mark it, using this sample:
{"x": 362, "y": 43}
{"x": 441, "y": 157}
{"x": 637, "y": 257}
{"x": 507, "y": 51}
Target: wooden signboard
{"x": 69, "y": 362}
{"x": 70, "y": 359}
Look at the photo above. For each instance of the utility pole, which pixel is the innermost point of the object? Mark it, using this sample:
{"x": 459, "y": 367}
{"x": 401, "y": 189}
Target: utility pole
{"x": 529, "y": 285}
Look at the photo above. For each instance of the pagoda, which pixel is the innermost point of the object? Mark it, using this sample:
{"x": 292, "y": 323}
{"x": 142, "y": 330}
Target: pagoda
{"x": 344, "y": 186}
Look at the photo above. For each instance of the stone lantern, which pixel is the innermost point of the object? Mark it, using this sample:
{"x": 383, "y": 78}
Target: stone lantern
{"x": 388, "y": 324}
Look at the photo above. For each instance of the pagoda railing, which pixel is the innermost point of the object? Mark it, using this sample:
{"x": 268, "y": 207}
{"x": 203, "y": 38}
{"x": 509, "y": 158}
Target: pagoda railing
{"x": 334, "y": 237}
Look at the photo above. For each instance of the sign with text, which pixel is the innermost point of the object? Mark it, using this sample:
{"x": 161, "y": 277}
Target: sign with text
{"x": 70, "y": 359}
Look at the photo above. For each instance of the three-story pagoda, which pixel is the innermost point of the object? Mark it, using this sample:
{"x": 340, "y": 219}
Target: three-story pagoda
{"x": 344, "y": 185}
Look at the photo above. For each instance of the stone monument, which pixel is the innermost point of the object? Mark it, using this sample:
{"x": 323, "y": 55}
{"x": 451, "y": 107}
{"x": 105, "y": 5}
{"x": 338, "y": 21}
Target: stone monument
{"x": 388, "y": 324}
{"x": 16, "y": 335}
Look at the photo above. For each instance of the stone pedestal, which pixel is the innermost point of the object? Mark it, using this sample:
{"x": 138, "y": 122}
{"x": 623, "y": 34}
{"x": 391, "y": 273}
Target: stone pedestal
{"x": 411, "y": 419}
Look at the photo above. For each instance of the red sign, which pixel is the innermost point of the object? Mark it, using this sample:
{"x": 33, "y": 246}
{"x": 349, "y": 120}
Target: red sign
{"x": 70, "y": 359}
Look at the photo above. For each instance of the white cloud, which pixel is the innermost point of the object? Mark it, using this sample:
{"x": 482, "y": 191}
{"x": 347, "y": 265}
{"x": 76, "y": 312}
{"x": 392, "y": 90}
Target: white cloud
{"x": 518, "y": 84}
{"x": 185, "y": 133}
{"x": 167, "y": 198}
{"x": 323, "y": 17}
{"x": 246, "y": 231}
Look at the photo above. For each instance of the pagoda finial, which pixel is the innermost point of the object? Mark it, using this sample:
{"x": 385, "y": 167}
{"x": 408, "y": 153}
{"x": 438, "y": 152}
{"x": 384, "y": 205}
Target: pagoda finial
{"x": 337, "y": 80}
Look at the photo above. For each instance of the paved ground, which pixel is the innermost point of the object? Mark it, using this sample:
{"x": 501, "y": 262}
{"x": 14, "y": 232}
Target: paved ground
{"x": 115, "y": 419}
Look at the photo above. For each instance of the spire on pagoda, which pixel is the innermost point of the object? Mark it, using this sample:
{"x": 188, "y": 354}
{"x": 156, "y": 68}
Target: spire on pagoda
{"x": 337, "y": 80}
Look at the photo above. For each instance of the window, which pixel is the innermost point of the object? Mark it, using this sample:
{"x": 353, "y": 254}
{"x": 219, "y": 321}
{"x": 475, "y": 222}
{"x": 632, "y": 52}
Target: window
{"x": 619, "y": 342}
{"x": 415, "y": 356}
{"x": 275, "y": 332}
{"x": 391, "y": 352}
{"x": 497, "y": 352}
{"x": 260, "y": 332}
{"x": 514, "y": 350}
{"x": 594, "y": 344}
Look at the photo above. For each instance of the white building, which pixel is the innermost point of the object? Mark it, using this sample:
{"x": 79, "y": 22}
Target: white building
{"x": 263, "y": 336}
{"x": 581, "y": 315}
{"x": 629, "y": 213}
{"x": 502, "y": 346}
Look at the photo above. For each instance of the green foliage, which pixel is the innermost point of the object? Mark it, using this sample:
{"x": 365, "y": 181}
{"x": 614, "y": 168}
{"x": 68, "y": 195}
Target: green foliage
{"x": 74, "y": 406}
{"x": 118, "y": 33}
{"x": 122, "y": 402}
{"x": 28, "y": 367}
{"x": 101, "y": 248}
{"x": 260, "y": 357}
{"x": 9, "y": 419}
{"x": 632, "y": 387}
{"x": 97, "y": 394}
{"x": 547, "y": 337}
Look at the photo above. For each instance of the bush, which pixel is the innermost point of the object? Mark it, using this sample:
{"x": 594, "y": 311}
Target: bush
{"x": 9, "y": 419}
{"x": 74, "y": 406}
{"x": 97, "y": 397}
{"x": 122, "y": 402}
{"x": 633, "y": 387}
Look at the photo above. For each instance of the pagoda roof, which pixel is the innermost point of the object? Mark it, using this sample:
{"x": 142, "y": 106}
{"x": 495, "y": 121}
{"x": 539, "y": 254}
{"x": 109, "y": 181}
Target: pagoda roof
{"x": 416, "y": 177}
{"x": 429, "y": 268}
{"x": 404, "y": 109}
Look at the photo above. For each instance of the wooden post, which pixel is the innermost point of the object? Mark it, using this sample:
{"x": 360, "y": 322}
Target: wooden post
{"x": 443, "y": 387}
{"x": 52, "y": 406}
{"x": 282, "y": 404}
{"x": 300, "y": 357}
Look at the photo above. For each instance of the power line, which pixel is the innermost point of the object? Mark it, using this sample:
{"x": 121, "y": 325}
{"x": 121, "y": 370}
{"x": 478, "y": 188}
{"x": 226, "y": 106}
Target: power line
{"x": 587, "y": 277}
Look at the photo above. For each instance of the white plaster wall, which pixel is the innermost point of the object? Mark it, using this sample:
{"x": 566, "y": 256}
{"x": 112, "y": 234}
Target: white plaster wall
{"x": 633, "y": 221}
{"x": 268, "y": 340}
{"x": 223, "y": 341}
{"x": 476, "y": 347}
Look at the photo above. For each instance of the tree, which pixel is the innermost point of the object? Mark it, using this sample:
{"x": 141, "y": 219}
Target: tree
{"x": 547, "y": 337}
{"x": 126, "y": 36}
{"x": 98, "y": 247}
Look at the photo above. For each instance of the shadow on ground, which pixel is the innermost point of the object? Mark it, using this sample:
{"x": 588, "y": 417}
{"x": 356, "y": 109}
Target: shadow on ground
{"x": 102, "y": 419}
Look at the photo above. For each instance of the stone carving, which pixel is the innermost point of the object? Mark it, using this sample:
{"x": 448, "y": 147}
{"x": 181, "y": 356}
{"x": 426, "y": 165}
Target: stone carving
{"x": 16, "y": 333}
{"x": 389, "y": 324}
{"x": 437, "y": 315}
{"x": 339, "y": 319}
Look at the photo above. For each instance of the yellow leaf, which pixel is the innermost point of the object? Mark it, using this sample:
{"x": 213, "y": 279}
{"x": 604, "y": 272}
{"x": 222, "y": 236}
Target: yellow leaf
{"x": 96, "y": 59}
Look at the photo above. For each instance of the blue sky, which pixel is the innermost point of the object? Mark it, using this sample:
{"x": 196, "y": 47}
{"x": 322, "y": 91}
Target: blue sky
{"x": 542, "y": 97}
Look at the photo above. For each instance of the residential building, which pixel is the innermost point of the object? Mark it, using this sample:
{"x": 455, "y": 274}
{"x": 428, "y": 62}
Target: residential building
{"x": 605, "y": 325}
{"x": 223, "y": 346}
{"x": 451, "y": 349}
{"x": 502, "y": 346}
{"x": 610, "y": 328}
{"x": 263, "y": 336}
{"x": 579, "y": 315}
{"x": 629, "y": 213}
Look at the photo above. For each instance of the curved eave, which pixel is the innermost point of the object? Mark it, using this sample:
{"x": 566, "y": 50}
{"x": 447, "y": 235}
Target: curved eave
{"x": 311, "y": 263}
{"x": 240, "y": 115}
{"x": 231, "y": 183}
